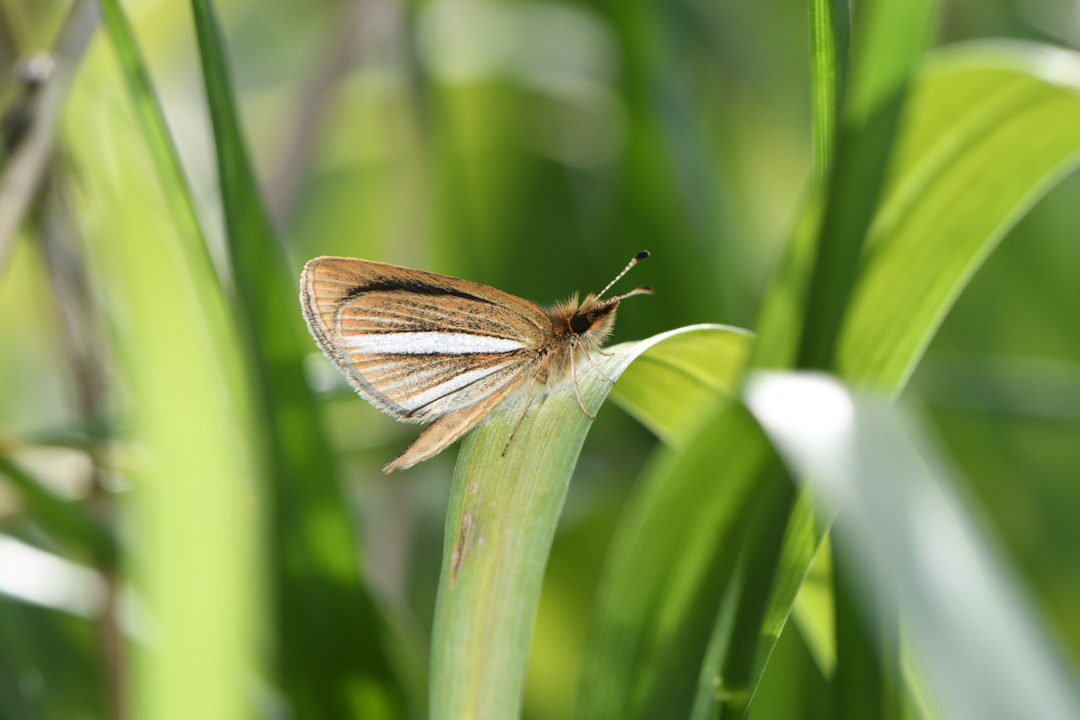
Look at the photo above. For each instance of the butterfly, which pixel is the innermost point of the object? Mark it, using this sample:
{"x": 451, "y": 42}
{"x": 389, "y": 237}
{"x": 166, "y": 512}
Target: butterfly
{"x": 428, "y": 348}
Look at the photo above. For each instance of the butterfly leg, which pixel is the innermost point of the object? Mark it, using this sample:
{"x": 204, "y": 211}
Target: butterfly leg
{"x": 573, "y": 374}
{"x": 587, "y": 357}
{"x": 524, "y": 407}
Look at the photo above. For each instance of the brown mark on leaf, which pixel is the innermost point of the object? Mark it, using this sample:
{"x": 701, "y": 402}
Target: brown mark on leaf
{"x": 459, "y": 552}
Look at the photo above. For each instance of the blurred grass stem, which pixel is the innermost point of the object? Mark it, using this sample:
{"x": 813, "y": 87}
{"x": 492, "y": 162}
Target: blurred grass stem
{"x": 85, "y": 344}
{"x": 25, "y": 169}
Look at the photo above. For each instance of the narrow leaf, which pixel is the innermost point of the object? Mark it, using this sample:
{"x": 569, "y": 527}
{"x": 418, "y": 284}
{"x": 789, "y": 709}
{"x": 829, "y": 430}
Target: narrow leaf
{"x": 889, "y": 43}
{"x": 67, "y": 522}
{"x": 500, "y": 524}
{"x": 909, "y": 537}
{"x": 973, "y": 107}
{"x": 991, "y": 129}
{"x": 333, "y": 645}
{"x": 195, "y": 504}
{"x": 830, "y": 26}
{"x": 674, "y": 385}
{"x": 671, "y": 559}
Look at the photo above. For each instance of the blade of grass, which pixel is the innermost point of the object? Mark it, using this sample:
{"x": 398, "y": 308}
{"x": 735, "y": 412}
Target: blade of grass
{"x": 993, "y": 127}
{"x": 891, "y": 37}
{"x": 155, "y": 130}
{"x": 780, "y": 321}
{"x": 500, "y": 524}
{"x": 671, "y": 559}
{"x": 859, "y": 675}
{"x": 774, "y": 497}
{"x": 830, "y": 27}
{"x": 777, "y": 555}
{"x": 23, "y": 171}
{"x": 334, "y": 656}
{"x": 67, "y": 522}
{"x": 673, "y": 386}
{"x": 196, "y": 504}
{"x": 911, "y": 538}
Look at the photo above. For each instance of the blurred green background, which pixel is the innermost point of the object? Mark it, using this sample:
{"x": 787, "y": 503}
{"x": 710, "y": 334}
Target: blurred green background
{"x": 534, "y": 147}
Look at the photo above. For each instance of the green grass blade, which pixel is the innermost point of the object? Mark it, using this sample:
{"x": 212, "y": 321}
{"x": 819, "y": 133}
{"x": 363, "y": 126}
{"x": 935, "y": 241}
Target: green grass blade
{"x": 890, "y": 39}
{"x": 892, "y": 36}
{"x": 804, "y": 533}
{"x": 333, "y": 647}
{"x": 196, "y": 502}
{"x": 67, "y": 522}
{"x": 991, "y": 129}
{"x": 671, "y": 559}
{"x": 673, "y": 386}
{"x": 499, "y": 528}
{"x": 866, "y": 676}
{"x": 774, "y": 497}
{"x": 949, "y": 200}
{"x": 155, "y": 130}
{"x": 911, "y": 538}
{"x": 780, "y": 321}
{"x": 830, "y": 27}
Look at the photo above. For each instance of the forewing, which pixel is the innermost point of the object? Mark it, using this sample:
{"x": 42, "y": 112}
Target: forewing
{"x": 418, "y": 345}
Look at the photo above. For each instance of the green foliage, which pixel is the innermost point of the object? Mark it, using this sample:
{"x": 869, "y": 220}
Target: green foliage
{"x": 227, "y": 477}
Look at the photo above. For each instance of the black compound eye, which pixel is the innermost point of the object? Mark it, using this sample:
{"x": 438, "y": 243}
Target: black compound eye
{"x": 580, "y": 323}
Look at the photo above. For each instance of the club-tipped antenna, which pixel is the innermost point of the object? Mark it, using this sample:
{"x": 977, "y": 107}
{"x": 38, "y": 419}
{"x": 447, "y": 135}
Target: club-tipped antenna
{"x": 643, "y": 290}
{"x": 637, "y": 258}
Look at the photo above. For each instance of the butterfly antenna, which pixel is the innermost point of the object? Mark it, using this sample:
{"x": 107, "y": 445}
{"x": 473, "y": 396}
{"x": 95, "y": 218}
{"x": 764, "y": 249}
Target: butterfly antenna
{"x": 643, "y": 290}
{"x": 637, "y": 258}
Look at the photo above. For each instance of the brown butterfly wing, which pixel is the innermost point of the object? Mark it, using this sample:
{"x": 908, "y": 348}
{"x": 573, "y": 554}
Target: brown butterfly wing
{"x": 447, "y": 429}
{"x": 419, "y": 345}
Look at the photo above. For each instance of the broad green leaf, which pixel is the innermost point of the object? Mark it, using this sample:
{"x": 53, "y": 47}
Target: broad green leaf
{"x": 991, "y": 128}
{"x": 500, "y": 524}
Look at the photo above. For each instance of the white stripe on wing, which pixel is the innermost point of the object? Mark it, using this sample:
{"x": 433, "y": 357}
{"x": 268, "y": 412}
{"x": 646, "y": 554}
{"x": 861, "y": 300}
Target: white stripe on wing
{"x": 453, "y": 384}
{"x": 430, "y": 343}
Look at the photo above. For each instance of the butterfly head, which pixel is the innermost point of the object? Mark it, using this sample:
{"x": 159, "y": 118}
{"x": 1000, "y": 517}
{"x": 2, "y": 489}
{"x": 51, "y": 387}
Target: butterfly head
{"x": 593, "y": 318}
